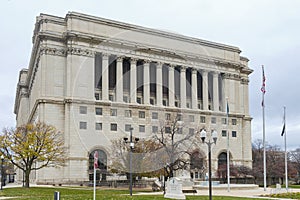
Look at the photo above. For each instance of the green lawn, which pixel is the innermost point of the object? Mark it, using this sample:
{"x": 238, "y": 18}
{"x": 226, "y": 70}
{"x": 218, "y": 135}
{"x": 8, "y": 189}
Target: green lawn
{"x": 83, "y": 193}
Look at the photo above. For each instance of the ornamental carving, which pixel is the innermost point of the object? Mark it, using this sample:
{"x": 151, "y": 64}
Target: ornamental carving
{"x": 52, "y": 51}
{"x": 80, "y": 52}
{"x": 245, "y": 81}
{"x": 231, "y": 76}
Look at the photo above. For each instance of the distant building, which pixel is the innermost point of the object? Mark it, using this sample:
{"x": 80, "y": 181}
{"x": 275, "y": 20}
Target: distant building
{"x": 94, "y": 78}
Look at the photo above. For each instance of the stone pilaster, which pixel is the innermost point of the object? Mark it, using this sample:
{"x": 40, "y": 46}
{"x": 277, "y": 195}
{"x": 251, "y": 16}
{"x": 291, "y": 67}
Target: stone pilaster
{"x": 205, "y": 89}
{"x": 216, "y": 91}
{"x": 159, "y": 84}
{"x": 146, "y": 86}
{"x": 194, "y": 89}
{"x": 182, "y": 87}
{"x": 171, "y": 86}
{"x": 105, "y": 68}
{"x": 119, "y": 82}
{"x": 133, "y": 80}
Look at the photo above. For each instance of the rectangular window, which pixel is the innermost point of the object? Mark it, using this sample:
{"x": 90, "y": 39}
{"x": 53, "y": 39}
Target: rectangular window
{"x": 82, "y": 125}
{"x": 168, "y": 116}
{"x": 179, "y": 117}
{"x": 234, "y": 122}
{"x": 224, "y": 133}
{"x": 224, "y": 121}
{"x": 213, "y": 120}
{"x": 152, "y": 101}
{"x": 139, "y": 100}
{"x": 98, "y": 111}
{"x": 125, "y": 99}
{"x": 191, "y": 118}
{"x": 111, "y": 97}
{"x": 168, "y": 129}
{"x": 113, "y": 127}
{"x": 164, "y": 102}
{"x": 142, "y": 128}
{"x": 176, "y": 104}
{"x": 154, "y": 129}
{"x": 188, "y": 105}
{"x": 191, "y": 131}
{"x": 154, "y": 115}
{"x": 180, "y": 131}
{"x": 82, "y": 109}
{"x": 141, "y": 114}
{"x": 97, "y": 96}
{"x": 98, "y": 126}
{"x": 128, "y": 113}
{"x": 113, "y": 112}
{"x": 127, "y": 127}
{"x": 202, "y": 119}
{"x": 234, "y": 134}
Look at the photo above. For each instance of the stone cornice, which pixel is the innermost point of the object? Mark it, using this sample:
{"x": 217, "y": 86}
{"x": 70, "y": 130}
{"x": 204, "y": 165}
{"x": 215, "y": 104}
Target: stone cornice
{"x": 231, "y": 76}
{"x": 132, "y": 27}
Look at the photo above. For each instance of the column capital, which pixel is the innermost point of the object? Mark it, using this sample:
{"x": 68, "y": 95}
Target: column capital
{"x": 133, "y": 60}
{"x": 183, "y": 68}
{"x": 105, "y": 55}
{"x": 194, "y": 71}
{"x": 204, "y": 71}
{"x": 120, "y": 58}
{"x": 147, "y": 61}
{"x": 159, "y": 64}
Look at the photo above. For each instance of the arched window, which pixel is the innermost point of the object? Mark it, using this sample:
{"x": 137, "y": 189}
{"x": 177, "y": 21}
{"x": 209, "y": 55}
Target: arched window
{"x": 222, "y": 159}
{"x": 222, "y": 165}
{"x": 102, "y": 165}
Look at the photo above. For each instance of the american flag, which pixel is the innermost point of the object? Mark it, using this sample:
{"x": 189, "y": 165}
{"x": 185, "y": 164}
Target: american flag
{"x": 96, "y": 159}
{"x": 263, "y": 87}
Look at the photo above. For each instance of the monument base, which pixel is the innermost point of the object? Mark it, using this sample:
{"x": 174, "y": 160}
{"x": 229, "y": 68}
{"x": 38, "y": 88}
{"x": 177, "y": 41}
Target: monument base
{"x": 174, "y": 189}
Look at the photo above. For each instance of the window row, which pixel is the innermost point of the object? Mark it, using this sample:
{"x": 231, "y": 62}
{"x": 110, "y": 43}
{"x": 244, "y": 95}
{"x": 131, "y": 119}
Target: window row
{"x": 155, "y": 129}
{"x": 154, "y": 115}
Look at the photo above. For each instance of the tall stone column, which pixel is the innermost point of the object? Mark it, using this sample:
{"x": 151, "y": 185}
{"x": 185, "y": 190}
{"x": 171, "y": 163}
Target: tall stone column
{"x": 205, "y": 89}
{"x": 119, "y": 81}
{"x": 216, "y": 91}
{"x": 171, "y": 86}
{"x": 159, "y": 84}
{"x": 194, "y": 89}
{"x": 105, "y": 67}
{"x": 182, "y": 87}
{"x": 146, "y": 86}
{"x": 133, "y": 80}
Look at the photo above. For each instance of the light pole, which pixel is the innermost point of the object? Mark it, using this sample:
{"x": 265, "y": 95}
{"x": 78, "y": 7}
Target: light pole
{"x": 2, "y": 160}
{"x": 131, "y": 145}
{"x": 214, "y": 136}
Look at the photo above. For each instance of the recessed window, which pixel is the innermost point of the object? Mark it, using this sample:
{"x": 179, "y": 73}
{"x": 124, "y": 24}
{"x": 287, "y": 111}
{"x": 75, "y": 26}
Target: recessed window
{"x": 111, "y": 97}
{"x": 139, "y": 100}
{"x": 142, "y": 128}
{"x": 224, "y": 121}
{"x": 179, "y": 117}
{"x": 98, "y": 126}
{"x": 168, "y": 116}
{"x": 154, "y": 129}
{"x": 127, "y": 127}
{"x": 213, "y": 120}
{"x": 180, "y": 130}
{"x": 191, "y": 131}
{"x": 83, "y": 125}
{"x": 164, "y": 102}
{"x": 141, "y": 114}
{"x": 234, "y": 134}
{"x": 188, "y": 105}
{"x": 224, "y": 133}
{"x": 202, "y": 119}
{"x": 97, "y": 96}
{"x": 176, "y": 104}
{"x": 82, "y": 109}
{"x": 152, "y": 101}
{"x": 98, "y": 111}
{"x": 113, "y": 127}
{"x": 128, "y": 113}
{"x": 154, "y": 115}
{"x": 125, "y": 99}
{"x": 191, "y": 118}
{"x": 113, "y": 112}
{"x": 168, "y": 129}
{"x": 234, "y": 122}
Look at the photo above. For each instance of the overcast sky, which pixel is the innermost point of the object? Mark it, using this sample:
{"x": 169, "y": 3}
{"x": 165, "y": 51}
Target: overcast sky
{"x": 267, "y": 32}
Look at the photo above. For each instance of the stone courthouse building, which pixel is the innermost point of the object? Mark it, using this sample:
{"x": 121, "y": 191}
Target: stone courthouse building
{"x": 95, "y": 78}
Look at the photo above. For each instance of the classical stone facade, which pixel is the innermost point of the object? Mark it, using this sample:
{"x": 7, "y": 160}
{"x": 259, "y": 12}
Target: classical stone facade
{"x": 94, "y": 78}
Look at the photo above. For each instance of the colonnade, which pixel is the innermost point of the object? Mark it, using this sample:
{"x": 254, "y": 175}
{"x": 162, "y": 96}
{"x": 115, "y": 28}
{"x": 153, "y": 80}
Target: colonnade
{"x": 214, "y": 104}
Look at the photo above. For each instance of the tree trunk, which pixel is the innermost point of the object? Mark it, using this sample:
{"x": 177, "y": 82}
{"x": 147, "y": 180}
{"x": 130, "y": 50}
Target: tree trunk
{"x": 27, "y": 174}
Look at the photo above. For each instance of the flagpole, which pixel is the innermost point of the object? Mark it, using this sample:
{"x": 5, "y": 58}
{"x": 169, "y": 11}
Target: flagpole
{"x": 264, "y": 134}
{"x": 94, "y": 198}
{"x": 228, "y": 157}
{"x": 285, "y": 152}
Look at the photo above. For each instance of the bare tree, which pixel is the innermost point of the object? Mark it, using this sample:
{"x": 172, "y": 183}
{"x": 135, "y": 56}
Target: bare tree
{"x": 33, "y": 143}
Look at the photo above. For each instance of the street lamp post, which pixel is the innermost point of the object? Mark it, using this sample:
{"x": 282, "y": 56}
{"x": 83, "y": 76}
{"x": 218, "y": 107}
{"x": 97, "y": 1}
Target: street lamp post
{"x": 214, "y": 136}
{"x": 131, "y": 145}
{"x": 2, "y": 160}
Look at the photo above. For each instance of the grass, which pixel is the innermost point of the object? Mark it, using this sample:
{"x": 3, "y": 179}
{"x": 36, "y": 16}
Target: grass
{"x": 82, "y": 193}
